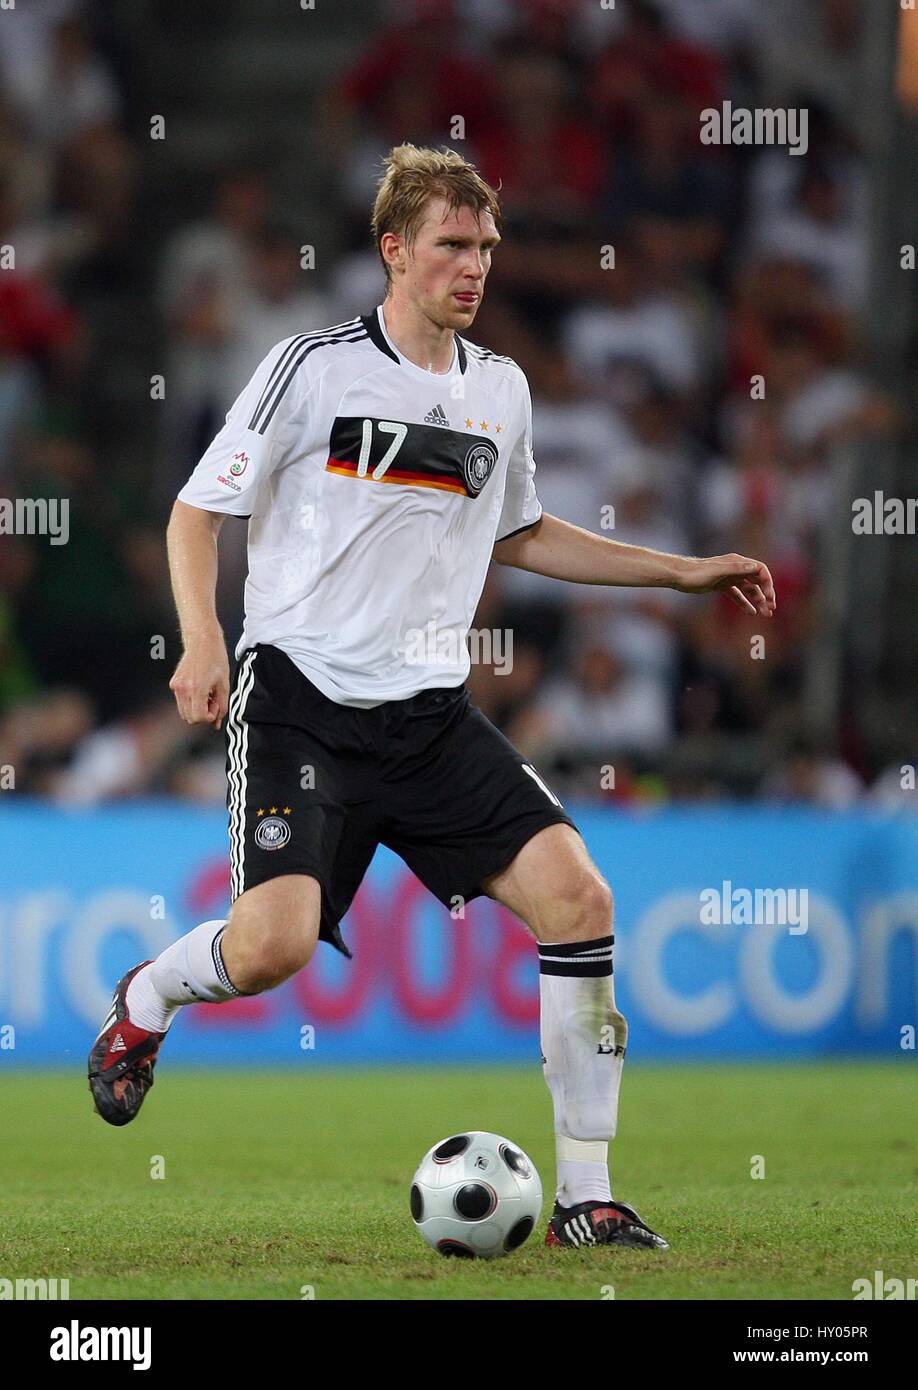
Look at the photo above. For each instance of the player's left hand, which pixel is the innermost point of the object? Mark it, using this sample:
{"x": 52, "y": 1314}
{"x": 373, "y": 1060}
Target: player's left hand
{"x": 748, "y": 583}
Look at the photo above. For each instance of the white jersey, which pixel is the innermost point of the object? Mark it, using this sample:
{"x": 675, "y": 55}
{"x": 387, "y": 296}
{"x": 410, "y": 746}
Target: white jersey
{"x": 375, "y": 492}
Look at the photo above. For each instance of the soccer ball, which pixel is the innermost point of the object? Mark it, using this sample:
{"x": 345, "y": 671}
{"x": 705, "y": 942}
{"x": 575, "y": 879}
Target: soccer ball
{"x": 475, "y": 1194}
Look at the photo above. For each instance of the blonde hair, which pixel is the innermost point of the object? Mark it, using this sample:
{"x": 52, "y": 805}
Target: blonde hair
{"x": 412, "y": 177}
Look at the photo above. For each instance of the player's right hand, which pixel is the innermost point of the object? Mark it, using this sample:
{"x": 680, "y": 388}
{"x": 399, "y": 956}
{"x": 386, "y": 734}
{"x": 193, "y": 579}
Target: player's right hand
{"x": 201, "y": 684}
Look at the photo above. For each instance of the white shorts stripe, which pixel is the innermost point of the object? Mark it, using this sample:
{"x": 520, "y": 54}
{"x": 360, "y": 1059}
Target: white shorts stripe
{"x": 238, "y": 740}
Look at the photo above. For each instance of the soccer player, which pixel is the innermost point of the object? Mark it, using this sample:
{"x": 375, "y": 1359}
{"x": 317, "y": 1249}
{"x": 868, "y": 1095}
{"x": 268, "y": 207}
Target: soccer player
{"x": 383, "y": 463}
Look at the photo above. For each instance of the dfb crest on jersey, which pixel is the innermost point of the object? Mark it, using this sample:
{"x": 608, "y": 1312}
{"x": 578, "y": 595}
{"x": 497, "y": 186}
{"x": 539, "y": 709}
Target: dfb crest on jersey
{"x": 478, "y": 466}
{"x": 272, "y": 833}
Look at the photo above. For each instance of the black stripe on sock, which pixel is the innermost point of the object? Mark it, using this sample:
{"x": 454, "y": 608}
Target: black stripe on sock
{"x": 220, "y": 968}
{"x": 582, "y": 959}
{"x": 580, "y": 969}
{"x": 575, "y": 948}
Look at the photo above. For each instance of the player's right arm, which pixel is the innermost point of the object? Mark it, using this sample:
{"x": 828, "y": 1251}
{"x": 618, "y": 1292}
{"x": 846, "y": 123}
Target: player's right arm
{"x": 228, "y": 480}
{"x": 201, "y": 680}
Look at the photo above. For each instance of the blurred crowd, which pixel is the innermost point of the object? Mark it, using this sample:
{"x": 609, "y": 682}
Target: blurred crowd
{"x": 689, "y": 316}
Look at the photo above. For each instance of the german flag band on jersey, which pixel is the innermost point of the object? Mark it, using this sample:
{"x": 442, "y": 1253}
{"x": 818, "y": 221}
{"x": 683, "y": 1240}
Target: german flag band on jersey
{"x": 348, "y": 458}
{"x": 427, "y": 456}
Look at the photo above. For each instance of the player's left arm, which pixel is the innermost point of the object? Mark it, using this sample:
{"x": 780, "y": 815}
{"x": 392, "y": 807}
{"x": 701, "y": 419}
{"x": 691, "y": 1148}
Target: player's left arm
{"x": 560, "y": 550}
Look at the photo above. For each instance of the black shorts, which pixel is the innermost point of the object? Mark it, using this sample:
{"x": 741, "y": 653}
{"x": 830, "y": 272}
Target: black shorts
{"x": 315, "y": 786}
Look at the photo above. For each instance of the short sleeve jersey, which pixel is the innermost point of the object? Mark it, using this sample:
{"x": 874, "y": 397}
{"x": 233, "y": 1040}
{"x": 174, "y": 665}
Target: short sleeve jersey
{"x": 375, "y": 491}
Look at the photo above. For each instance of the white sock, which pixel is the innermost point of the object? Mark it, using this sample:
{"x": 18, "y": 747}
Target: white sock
{"x": 583, "y": 1045}
{"x": 190, "y": 971}
{"x": 583, "y": 1171}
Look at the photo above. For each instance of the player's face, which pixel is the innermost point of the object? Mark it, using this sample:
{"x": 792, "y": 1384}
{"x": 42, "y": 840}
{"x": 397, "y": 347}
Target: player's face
{"x": 446, "y": 269}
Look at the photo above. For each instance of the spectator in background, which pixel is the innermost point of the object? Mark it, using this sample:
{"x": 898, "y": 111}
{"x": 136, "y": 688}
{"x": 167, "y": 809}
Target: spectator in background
{"x": 423, "y": 46}
{"x": 662, "y": 184}
{"x": 577, "y": 441}
{"x": 83, "y": 600}
{"x": 632, "y": 324}
{"x": 26, "y": 43}
{"x": 277, "y": 297}
{"x": 124, "y": 758}
{"x": 545, "y": 156}
{"x": 64, "y": 89}
{"x": 728, "y": 27}
{"x": 640, "y": 624}
{"x": 767, "y": 295}
{"x": 40, "y": 341}
{"x": 813, "y": 775}
{"x": 38, "y": 736}
{"x": 774, "y": 180}
{"x": 818, "y": 231}
{"x": 203, "y": 268}
{"x": 647, "y": 58}
{"x": 571, "y": 30}
{"x": 598, "y": 708}
{"x": 817, "y": 402}
{"x": 895, "y": 789}
{"x": 17, "y": 678}
{"x": 414, "y": 77}
{"x": 76, "y": 198}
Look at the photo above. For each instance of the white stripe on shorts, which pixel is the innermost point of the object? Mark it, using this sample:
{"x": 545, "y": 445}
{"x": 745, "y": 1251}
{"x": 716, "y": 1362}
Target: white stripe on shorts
{"x": 238, "y": 745}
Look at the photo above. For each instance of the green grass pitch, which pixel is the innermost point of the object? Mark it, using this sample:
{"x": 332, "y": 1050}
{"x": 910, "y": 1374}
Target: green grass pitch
{"x": 279, "y": 1179}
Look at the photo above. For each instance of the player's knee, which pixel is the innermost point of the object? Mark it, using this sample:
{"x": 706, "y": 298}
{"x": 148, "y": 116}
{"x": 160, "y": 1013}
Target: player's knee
{"x": 580, "y": 911}
{"x": 591, "y": 909}
{"x": 271, "y": 956}
{"x": 261, "y": 952}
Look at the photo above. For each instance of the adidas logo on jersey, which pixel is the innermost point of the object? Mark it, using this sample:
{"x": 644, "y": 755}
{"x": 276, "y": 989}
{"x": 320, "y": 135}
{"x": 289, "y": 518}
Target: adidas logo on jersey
{"x": 119, "y": 1045}
{"x": 437, "y": 416}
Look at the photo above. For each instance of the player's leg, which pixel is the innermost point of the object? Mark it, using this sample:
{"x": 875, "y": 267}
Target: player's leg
{"x": 271, "y": 933}
{"x": 288, "y": 835}
{"x": 554, "y": 887}
{"x": 475, "y": 817}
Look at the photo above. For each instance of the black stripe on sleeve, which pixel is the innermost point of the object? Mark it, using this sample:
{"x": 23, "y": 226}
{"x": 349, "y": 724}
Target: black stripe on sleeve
{"x": 528, "y": 527}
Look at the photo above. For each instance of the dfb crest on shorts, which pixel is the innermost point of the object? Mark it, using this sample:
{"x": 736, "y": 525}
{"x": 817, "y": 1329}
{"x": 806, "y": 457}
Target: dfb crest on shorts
{"x": 478, "y": 466}
{"x": 272, "y": 833}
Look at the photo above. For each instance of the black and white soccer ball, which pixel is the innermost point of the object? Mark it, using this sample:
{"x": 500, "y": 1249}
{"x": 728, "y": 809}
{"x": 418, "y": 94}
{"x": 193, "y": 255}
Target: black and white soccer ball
{"x": 476, "y": 1194}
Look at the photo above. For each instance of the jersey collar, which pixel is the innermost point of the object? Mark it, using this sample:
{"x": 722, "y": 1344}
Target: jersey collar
{"x": 373, "y": 323}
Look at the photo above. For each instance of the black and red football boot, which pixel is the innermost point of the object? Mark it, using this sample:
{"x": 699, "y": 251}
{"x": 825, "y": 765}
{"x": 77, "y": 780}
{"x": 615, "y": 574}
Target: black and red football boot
{"x": 601, "y": 1223}
{"x": 122, "y": 1060}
